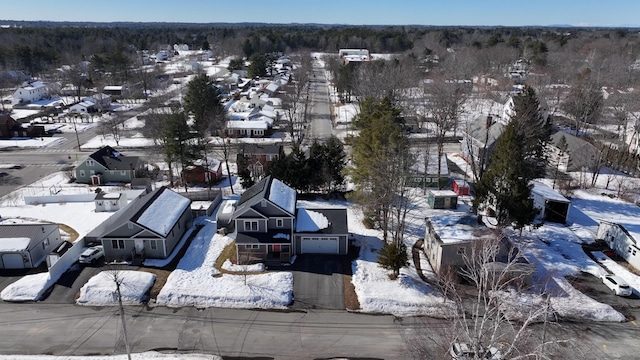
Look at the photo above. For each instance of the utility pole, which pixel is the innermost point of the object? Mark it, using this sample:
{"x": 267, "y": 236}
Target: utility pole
{"x": 75, "y": 119}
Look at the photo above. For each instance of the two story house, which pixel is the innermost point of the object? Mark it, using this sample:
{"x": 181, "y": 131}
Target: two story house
{"x": 30, "y": 92}
{"x": 257, "y": 158}
{"x": 108, "y": 165}
{"x": 267, "y": 226}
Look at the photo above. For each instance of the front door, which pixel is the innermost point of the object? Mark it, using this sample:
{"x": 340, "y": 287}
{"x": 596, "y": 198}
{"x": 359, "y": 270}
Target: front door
{"x": 139, "y": 245}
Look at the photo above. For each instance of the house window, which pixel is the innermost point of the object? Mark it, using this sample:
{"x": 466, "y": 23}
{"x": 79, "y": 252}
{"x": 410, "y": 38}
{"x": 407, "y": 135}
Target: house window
{"x": 279, "y": 223}
{"x": 99, "y": 203}
{"x": 258, "y": 132}
{"x": 81, "y": 173}
{"x": 91, "y": 162}
{"x": 255, "y": 246}
{"x": 271, "y": 157}
{"x": 112, "y": 172}
{"x": 462, "y": 251}
{"x": 263, "y": 203}
{"x": 284, "y": 248}
{"x": 250, "y": 225}
{"x": 153, "y": 244}
{"x": 117, "y": 244}
{"x": 123, "y": 172}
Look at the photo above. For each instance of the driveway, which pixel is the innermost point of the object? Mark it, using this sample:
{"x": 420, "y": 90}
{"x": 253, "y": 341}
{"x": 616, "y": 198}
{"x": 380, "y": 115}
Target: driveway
{"x": 318, "y": 282}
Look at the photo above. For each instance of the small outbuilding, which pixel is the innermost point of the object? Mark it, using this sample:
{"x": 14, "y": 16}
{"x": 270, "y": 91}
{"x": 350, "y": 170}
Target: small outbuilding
{"x": 552, "y": 205}
{"x": 109, "y": 202}
{"x": 442, "y": 199}
{"x": 461, "y": 187}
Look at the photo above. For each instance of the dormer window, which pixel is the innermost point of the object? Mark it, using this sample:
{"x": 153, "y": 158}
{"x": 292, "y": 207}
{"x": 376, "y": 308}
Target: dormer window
{"x": 90, "y": 162}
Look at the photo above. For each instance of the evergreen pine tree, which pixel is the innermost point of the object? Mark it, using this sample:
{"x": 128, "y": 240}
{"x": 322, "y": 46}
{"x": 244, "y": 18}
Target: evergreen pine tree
{"x": 393, "y": 256}
{"x": 505, "y": 185}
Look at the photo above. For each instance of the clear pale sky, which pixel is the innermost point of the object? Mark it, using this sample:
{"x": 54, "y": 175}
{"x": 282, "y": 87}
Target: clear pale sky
{"x": 356, "y": 12}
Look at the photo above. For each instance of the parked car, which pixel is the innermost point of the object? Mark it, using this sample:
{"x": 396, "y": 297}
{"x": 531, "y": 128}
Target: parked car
{"x": 617, "y": 284}
{"x": 91, "y": 255}
{"x": 463, "y": 351}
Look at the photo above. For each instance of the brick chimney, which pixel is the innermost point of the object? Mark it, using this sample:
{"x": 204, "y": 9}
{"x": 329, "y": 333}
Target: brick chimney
{"x": 489, "y": 122}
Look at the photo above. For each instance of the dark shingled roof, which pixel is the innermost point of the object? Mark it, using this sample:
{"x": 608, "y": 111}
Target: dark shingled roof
{"x": 114, "y": 160}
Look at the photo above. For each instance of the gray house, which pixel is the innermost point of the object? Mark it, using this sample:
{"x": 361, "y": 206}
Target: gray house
{"x": 108, "y": 165}
{"x": 149, "y": 227}
{"x": 267, "y": 226}
{"x": 24, "y": 246}
{"x": 449, "y": 238}
{"x": 575, "y": 155}
{"x": 479, "y": 139}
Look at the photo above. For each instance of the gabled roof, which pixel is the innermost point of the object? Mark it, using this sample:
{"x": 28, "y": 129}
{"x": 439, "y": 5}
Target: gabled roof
{"x": 157, "y": 211}
{"x": 161, "y": 214}
{"x": 573, "y": 143}
{"x": 114, "y": 160}
{"x": 18, "y": 237}
{"x": 485, "y": 128}
{"x": 270, "y": 189}
{"x": 260, "y": 149}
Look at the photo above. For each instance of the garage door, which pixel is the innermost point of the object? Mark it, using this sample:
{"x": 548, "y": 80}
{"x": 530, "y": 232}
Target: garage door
{"x": 12, "y": 261}
{"x": 319, "y": 245}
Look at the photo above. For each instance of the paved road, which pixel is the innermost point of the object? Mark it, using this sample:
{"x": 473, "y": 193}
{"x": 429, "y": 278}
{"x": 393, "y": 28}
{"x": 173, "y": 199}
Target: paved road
{"x": 320, "y": 127}
{"x": 74, "y": 330}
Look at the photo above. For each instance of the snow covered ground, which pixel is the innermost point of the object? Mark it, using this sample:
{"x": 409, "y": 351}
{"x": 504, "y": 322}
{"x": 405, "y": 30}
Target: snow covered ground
{"x": 136, "y": 356}
{"x": 555, "y": 250}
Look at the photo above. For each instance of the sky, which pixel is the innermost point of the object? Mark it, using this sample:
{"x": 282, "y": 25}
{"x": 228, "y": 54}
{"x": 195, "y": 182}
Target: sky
{"x": 355, "y": 12}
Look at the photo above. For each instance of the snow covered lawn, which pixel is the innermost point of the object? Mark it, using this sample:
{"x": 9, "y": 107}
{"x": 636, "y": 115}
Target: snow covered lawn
{"x": 100, "y": 290}
{"x": 196, "y": 281}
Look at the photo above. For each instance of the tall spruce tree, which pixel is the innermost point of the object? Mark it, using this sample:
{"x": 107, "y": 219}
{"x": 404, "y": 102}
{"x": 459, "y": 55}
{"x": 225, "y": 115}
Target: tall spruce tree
{"x": 535, "y": 129}
{"x": 380, "y": 153}
{"x": 505, "y": 185}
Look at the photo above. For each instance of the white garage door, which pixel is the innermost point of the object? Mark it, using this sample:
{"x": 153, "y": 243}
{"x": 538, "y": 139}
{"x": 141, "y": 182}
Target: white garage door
{"x": 12, "y": 261}
{"x": 319, "y": 245}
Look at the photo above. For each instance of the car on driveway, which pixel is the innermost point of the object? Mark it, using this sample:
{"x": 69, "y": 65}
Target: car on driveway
{"x": 617, "y": 285}
{"x": 463, "y": 351}
{"x": 91, "y": 255}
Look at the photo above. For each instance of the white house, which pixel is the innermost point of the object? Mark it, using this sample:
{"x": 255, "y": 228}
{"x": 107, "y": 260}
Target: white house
{"x": 623, "y": 239}
{"x": 109, "y": 202}
{"x": 30, "y": 92}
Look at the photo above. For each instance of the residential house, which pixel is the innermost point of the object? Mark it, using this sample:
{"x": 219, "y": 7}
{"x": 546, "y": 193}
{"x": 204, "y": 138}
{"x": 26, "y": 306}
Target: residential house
{"x": 249, "y": 128}
{"x": 256, "y": 158}
{"x": 623, "y": 239}
{"x": 25, "y": 246}
{"x": 95, "y": 103}
{"x": 552, "y": 206}
{"x": 30, "y": 92}
{"x": 479, "y": 139}
{"x": 575, "y": 155}
{"x": 149, "y": 227}
{"x": 354, "y": 55}
{"x": 115, "y": 90}
{"x": 10, "y": 128}
{"x": 450, "y": 237}
{"x": 201, "y": 173}
{"x": 268, "y": 227}
{"x": 264, "y": 221}
{"x": 110, "y": 202}
{"x": 424, "y": 171}
{"x": 107, "y": 165}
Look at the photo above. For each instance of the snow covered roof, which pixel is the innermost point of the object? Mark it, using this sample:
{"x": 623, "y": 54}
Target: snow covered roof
{"x": 310, "y": 221}
{"x": 242, "y": 124}
{"x": 547, "y": 192}
{"x": 458, "y": 227}
{"x": 283, "y": 196}
{"x": 163, "y": 212}
{"x": 14, "y": 244}
{"x": 35, "y": 85}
